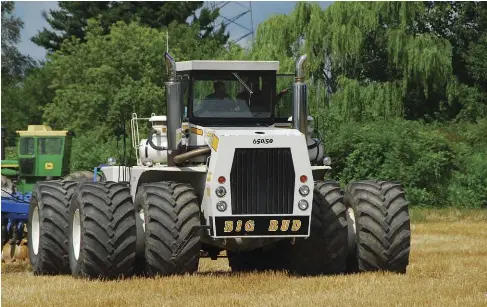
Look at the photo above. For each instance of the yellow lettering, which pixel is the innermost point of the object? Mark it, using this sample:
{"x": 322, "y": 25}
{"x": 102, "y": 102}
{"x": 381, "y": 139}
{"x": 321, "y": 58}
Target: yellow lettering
{"x": 296, "y": 225}
{"x": 285, "y": 225}
{"x": 249, "y": 226}
{"x": 228, "y": 226}
{"x": 273, "y": 225}
{"x": 239, "y": 226}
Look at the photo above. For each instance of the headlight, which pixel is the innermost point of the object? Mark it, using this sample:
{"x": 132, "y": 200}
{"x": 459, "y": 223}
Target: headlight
{"x": 221, "y": 206}
{"x": 304, "y": 190}
{"x": 112, "y": 161}
{"x": 303, "y": 204}
{"x": 327, "y": 161}
{"x": 220, "y": 192}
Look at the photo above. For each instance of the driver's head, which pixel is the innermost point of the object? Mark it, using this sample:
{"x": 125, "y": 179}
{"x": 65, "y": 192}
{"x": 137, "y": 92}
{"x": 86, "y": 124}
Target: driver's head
{"x": 220, "y": 89}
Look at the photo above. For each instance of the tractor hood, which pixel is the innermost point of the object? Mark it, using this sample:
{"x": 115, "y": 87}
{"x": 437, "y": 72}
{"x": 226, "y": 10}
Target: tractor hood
{"x": 252, "y": 137}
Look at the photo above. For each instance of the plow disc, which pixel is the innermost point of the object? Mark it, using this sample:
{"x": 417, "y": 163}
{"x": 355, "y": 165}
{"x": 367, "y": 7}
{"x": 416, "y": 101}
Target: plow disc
{"x": 12, "y": 253}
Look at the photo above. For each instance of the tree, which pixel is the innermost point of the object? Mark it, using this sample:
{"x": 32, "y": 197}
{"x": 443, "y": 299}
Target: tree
{"x": 71, "y": 19}
{"x": 14, "y": 67}
{"x": 99, "y": 83}
{"x": 14, "y": 64}
{"x": 368, "y": 55}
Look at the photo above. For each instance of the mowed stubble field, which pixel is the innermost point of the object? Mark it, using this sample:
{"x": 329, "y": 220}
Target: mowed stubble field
{"x": 448, "y": 267}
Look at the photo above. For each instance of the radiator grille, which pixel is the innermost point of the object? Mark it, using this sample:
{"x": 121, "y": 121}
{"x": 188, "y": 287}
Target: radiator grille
{"x": 262, "y": 181}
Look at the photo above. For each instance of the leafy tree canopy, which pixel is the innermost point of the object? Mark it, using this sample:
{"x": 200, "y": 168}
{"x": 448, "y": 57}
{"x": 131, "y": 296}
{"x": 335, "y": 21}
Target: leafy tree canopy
{"x": 103, "y": 80}
{"x": 378, "y": 60}
{"x": 14, "y": 64}
{"x": 71, "y": 19}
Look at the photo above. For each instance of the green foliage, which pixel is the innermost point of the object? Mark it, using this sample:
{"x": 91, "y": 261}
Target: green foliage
{"x": 397, "y": 150}
{"x": 15, "y": 111}
{"x": 111, "y": 76}
{"x": 399, "y": 88}
{"x": 72, "y": 19}
{"x": 14, "y": 64}
{"x": 90, "y": 149}
{"x": 437, "y": 166}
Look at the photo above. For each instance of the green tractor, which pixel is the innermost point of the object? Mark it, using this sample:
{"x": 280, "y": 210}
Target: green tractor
{"x": 42, "y": 154}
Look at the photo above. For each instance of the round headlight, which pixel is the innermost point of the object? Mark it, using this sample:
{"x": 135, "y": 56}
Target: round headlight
{"x": 111, "y": 161}
{"x": 220, "y": 192}
{"x": 304, "y": 190}
{"x": 221, "y": 206}
{"x": 303, "y": 204}
{"x": 327, "y": 161}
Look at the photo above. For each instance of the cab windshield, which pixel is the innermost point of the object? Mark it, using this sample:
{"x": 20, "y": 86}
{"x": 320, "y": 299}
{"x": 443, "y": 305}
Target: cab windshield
{"x": 233, "y": 94}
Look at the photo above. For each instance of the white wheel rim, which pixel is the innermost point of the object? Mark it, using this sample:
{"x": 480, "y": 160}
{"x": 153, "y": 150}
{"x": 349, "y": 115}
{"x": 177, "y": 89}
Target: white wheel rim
{"x": 142, "y": 218}
{"x": 351, "y": 216}
{"x": 35, "y": 230}
{"x": 352, "y": 229}
{"x": 76, "y": 234}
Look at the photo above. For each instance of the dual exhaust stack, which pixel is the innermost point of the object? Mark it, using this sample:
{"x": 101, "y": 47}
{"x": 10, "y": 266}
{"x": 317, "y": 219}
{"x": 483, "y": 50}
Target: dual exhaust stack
{"x": 174, "y": 108}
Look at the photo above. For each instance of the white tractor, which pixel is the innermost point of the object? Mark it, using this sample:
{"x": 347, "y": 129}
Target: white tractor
{"x": 220, "y": 172}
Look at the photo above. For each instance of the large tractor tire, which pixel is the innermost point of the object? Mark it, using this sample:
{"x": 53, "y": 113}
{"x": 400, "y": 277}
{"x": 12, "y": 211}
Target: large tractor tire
{"x": 47, "y": 236}
{"x": 102, "y": 231}
{"x": 383, "y": 233}
{"x": 170, "y": 212}
{"x": 326, "y": 249}
{"x": 7, "y": 187}
{"x": 82, "y": 176}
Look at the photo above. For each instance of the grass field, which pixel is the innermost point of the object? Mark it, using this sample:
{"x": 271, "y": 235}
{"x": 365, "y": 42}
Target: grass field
{"x": 448, "y": 267}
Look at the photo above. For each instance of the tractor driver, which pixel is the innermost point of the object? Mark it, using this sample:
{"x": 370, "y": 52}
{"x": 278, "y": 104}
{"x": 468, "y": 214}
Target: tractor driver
{"x": 220, "y": 92}
{"x": 218, "y": 101}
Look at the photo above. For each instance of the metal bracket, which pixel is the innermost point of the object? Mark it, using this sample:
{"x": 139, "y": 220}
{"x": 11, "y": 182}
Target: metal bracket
{"x": 188, "y": 237}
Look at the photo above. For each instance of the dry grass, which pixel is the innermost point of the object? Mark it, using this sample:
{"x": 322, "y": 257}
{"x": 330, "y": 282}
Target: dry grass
{"x": 448, "y": 268}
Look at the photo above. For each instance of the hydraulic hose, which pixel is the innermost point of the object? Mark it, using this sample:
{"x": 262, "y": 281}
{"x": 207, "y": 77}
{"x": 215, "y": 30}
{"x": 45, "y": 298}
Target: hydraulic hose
{"x": 151, "y": 143}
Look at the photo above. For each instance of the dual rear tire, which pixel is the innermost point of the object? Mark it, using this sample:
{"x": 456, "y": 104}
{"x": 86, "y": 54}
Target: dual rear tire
{"x": 383, "y": 231}
{"x": 92, "y": 229}
{"x": 170, "y": 243}
{"x": 86, "y": 229}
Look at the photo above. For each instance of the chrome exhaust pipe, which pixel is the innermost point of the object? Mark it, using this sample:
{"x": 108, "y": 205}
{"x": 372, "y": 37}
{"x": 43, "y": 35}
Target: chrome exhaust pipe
{"x": 300, "y": 98}
{"x": 173, "y": 100}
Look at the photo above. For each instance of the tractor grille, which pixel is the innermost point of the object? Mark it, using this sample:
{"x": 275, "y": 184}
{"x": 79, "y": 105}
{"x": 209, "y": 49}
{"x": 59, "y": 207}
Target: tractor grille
{"x": 262, "y": 181}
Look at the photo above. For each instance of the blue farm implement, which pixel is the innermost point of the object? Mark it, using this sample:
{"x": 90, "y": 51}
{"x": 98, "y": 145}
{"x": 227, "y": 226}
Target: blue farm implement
{"x": 15, "y": 210}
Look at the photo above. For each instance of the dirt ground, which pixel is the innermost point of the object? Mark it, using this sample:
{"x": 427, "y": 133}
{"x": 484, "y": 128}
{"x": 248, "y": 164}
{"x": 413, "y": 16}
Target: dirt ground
{"x": 448, "y": 267}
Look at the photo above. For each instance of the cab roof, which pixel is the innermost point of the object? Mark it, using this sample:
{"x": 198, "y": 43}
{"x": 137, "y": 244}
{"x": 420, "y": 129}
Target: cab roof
{"x": 41, "y": 130}
{"x": 228, "y": 65}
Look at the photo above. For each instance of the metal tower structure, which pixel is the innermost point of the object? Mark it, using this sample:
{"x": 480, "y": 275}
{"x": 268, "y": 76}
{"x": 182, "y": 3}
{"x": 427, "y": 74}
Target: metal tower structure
{"x": 236, "y": 15}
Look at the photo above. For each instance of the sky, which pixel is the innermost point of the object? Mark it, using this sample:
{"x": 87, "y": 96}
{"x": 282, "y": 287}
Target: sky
{"x": 30, "y": 12}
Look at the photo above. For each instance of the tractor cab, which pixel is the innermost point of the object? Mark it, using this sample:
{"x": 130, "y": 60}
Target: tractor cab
{"x": 42, "y": 153}
{"x": 229, "y": 93}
